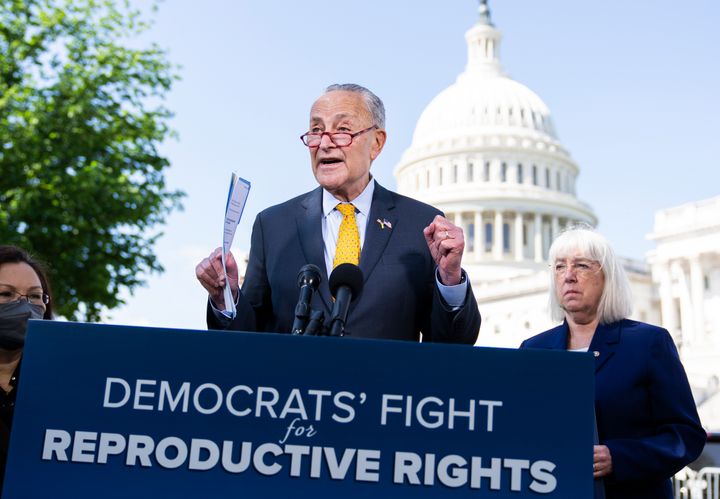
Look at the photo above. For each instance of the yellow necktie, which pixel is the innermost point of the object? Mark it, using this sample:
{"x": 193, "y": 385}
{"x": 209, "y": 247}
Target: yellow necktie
{"x": 348, "y": 243}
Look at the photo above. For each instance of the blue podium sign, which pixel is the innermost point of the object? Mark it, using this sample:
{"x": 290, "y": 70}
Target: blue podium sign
{"x": 117, "y": 412}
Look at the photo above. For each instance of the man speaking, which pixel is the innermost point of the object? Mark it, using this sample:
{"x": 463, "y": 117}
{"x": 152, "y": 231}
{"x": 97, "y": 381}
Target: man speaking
{"x": 408, "y": 254}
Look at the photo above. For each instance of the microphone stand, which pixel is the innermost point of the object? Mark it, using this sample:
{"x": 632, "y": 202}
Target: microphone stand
{"x": 315, "y": 324}
{"x": 308, "y": 281}
{"x": 302, "y": 314}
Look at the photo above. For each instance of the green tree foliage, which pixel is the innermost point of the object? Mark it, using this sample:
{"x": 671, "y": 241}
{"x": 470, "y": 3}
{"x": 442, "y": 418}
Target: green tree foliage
{"x": 81, "y": 116}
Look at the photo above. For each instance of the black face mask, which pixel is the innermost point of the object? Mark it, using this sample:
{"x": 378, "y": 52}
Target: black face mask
{"x": 13, "y": 322}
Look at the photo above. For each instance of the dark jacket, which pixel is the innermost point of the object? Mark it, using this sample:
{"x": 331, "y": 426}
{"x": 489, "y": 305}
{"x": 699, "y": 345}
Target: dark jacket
{"x": 645, "y": 411}
{"x": 399, "y": 299}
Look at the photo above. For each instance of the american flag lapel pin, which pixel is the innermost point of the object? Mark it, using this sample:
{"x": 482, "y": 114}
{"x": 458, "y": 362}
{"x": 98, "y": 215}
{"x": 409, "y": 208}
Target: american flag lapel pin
{"x": 384, "y": 223}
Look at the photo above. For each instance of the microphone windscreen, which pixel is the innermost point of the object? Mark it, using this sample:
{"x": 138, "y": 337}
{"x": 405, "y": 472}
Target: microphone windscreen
{"x": 346, "y": 274}
{"x": 309, "y": 274}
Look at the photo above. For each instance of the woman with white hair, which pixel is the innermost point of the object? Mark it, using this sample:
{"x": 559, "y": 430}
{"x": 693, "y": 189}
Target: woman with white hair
{"x": 647, "y": 423}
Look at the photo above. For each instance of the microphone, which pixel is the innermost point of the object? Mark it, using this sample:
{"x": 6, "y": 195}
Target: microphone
{"x": 346, "y": 283}
{"x": 308, "y": 282}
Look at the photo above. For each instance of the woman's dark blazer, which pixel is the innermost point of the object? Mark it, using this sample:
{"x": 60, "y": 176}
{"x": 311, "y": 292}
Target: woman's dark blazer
{"x": 645, "y": 411}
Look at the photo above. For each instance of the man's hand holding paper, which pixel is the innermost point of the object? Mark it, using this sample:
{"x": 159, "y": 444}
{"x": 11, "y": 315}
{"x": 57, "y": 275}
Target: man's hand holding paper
{"x": 218, "y": 273}
{"x": 237, "y": 197}
{"x": 214, "y": 278}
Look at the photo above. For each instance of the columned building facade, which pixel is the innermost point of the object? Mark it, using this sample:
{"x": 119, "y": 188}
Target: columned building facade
{"x": 686, "y": 269}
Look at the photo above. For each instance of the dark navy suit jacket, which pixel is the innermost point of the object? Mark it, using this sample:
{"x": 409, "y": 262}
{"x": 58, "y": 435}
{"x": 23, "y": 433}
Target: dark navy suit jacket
{"x": 399, "y": 299}
{"x": 645, "y": 411}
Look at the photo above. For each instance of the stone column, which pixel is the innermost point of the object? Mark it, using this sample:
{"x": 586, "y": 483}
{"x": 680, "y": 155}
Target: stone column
{"x": 667, "y": 301}
{"x": 458, "y": 220}
{"x": 519, "y": 253}
{"x": 686, "y": 318}
{"x": 498, "y": 236}
{"x": 512, "y": 172}
{"x": 537, "y": 238}
{"x": 697, "y": 294}
{"x": 479, "y": 232}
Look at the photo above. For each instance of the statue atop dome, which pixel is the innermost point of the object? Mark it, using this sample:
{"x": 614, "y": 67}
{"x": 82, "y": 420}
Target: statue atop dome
{"x": 484, "y": 12}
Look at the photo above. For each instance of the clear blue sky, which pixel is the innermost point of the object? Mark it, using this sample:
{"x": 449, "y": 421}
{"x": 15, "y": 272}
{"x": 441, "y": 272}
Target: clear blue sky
{"x": 632, "y": 87}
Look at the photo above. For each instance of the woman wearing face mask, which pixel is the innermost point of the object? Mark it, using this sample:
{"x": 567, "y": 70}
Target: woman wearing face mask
{"x": 24, "y": 295}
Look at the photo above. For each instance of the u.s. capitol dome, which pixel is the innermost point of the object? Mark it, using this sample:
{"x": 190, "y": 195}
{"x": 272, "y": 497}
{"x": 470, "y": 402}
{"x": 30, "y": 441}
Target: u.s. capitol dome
{"x": 485, "y": 151}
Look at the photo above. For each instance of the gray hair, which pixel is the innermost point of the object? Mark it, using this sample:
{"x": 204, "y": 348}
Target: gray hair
{"x": 616, "y": 300}
{"x": 374, "y": 104}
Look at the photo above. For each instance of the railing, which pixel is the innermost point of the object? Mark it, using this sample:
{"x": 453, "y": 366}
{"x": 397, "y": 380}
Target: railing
{"x": 703, "y": 484}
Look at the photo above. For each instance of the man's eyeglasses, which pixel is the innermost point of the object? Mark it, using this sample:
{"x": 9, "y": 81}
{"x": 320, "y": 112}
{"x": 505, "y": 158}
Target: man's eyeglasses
{"x": 580, "y": 267}
{"x": 340, "y": 139}
{"x": 35, "y": 297}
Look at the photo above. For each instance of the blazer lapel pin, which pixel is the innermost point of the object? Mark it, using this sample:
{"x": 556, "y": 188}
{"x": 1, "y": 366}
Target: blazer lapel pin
{"x": 384, "y": 223}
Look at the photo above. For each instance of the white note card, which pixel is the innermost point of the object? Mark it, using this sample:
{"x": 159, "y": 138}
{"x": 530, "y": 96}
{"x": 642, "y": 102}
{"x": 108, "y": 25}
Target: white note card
{"x": 237, "y": 196}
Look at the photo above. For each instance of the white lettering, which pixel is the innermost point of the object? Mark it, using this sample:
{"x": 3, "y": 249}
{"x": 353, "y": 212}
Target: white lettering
{"x": 200, "y": 446}
{"x": 56, "y": 441}
{"x": 319, "y": 394}
{"x": 111, "y": 444}
{"x": 338, "y": 470}
{"x": 543, "y": 480}
{"x": 139, "y": 393}
{"x": 294, "y": 405}
{"x": 458, "y": 477}
{"x": 516, "y": 466}
{"x": 139, "y": 447}
{"x": 84, "y": 441}
{"x": 385, "y": 408}
{"x": 407, "y": 466}
{"x": 183, "y": 395}
{"x": 491, "y": 404}
{"x": 259, "y": 459}
{"x": 227, "y": 455}
{"x": 218, "y": 398}
{"x": 437, "y": 416}
{"x": 296, "y": 453}
{"x": 267, "y": 404}
{"x": 368, "y": 466}
{"x": 161, "y": 455}
{"x": 478, "y": 472}
{"x": 343, "y": 406}
{"x": 228, "y": 400}
{"x": 470, "y": 414}
{"x": 109, "y": 382}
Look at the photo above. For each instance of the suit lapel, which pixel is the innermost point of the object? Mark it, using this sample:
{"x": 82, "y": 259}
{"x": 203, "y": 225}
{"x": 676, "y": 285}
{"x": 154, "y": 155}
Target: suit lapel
{"x": 309, "y": 224}
{"x": 377, "y": 234}
{"x": 560, "y": 338}
{"x": 604, "y": 342}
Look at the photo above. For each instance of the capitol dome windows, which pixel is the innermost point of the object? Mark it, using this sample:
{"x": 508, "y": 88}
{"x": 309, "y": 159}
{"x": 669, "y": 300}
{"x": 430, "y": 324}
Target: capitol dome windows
{"x": 488, "y": 237}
